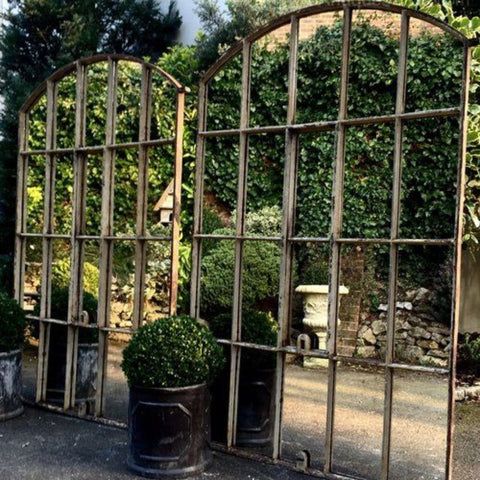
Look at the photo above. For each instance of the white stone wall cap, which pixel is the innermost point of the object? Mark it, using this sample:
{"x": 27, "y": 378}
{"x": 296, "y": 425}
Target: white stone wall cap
{"x": 319, "y": 289}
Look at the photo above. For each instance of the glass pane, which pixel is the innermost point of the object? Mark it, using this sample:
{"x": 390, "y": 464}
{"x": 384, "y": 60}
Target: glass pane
{"x": 319, "y": 66}
{"x": 160, "y": 191}
{"x": 224, "y": 96}
{"x": 362, "y": 328}
{"x": 220, "y": 185}
{"x": 419, "y": 426}
{"x": 35, "y": 193}
{"x": 424, "y": 305}
{"x": 164, "y": 102}
{"x": 93, "y": 194}
{"x": 260, "y": 289}
{"x": 66, "y": 89}
{"x": 310, "y": 298}
{"x": 359, "y": 408}
{"x": 29, "y": 363}
{"x": 216, "y": 285}
{"x": 116, "y": 386}
{"x": 126, "y": 183}
{"x": 368, "y": 182}
{"x": 123, "y": 284}
{"x": 434, "y": 68}
{"x": 37, "y": 125}
{"x": 269, "y": 78}
{"x": 96, "y": 103}
{"x": 220, "y": 396}
{"x": 305, "y": 391}
{"x": 373, "y": 63}
{"x": 63, "y": 203}
{"x": 86, "y": 368}
{"x": 57, "y": 350}
{"x": 157, "y": 281}
{"x": 256, "y": 401}
{"x": 265, "y": 185}
{"x": 430, "y": 152}
{"x": 128, "y": 101}
{"x": 314, "y": 184}
{"x": 33, "y": 275}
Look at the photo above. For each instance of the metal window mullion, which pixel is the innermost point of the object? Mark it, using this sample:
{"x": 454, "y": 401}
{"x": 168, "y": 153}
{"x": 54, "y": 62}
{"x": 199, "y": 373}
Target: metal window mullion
{"x": 21, "y": 211}
{"x": 235, "y": 362}
{"x": 78, "y": 228}
{"x": 47, "y": 243}
{"x": 142, "y": 195}
{"x": 289, "y": 193}
{"x": 106, "y": 245}
{"x": 337, "y": 215}
{"x": 195, "y": 286}
{"x": 177, "y": 191}
{"x": 394, "y": 247}
{"x": 457, "y": 263}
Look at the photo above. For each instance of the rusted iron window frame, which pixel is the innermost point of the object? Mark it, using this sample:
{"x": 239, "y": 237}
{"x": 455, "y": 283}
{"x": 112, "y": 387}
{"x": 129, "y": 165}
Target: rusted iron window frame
{"x": 107, "y": 237}
{"x": 291, "y": 130}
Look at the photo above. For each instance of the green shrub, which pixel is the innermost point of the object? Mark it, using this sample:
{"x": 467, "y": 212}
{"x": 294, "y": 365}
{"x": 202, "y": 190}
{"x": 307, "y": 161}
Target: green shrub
{"x": 469, "y": 354}
{"x": 257, "y": 327}
{"x": 264, "y": 222}
{"x": 261, "y": 267}
{"x": 172, "y": 352}
{"x": 62, "y": 273}
{"x": 12, "y": 324}
{"x": 59, "y": 311}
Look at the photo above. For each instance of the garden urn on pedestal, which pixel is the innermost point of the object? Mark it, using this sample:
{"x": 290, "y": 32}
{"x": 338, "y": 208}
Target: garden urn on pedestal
{"x": 315, "y": 308}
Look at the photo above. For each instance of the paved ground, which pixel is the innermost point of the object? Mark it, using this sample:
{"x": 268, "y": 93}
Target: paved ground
{"x": 41, "y": 446}
{"x": 418, "y": 437}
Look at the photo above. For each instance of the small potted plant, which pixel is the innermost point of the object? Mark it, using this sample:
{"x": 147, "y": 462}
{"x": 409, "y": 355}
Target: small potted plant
{"x": 256, "y": 401}
{"x": 168, "y": 365}
{"x": 12, "y": 329}
{"x": 87, "y": 352}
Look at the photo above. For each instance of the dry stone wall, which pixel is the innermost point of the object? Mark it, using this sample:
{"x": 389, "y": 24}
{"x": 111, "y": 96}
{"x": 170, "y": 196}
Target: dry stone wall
{"x": 419, "y": 338}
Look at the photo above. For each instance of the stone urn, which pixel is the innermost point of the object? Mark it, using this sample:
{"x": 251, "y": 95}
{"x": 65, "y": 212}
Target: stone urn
{"x": 315, "y": 308}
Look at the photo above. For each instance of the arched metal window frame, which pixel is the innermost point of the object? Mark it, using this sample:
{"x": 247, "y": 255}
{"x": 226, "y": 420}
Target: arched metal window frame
{"x": 78, "y": 237}
{"x": 291, "y": 130}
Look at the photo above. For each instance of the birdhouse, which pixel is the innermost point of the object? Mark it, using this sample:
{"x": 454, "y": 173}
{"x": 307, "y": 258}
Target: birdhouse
{"x": 164, "y": 206}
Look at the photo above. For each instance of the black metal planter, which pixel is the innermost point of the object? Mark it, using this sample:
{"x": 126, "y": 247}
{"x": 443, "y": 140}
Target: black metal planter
{"x": 169, "y": 431}
{"x": 10, "y": 384}
{"x": 86, "y": 373}
{"x": 255, "y": 408}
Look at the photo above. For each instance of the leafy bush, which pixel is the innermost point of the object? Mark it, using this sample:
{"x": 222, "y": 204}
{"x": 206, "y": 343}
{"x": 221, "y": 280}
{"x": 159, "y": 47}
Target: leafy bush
{"x": 12, "y": 323}
{"x": 59, "y": 311}
{"x": 257, "y": 327}
{"x": 172, "y": 352}
{"x": 469, "y": 354}
{"x": 261, "y": 267}
{"x": 264, "y": 222}
{"x": 434, "y": 73}
{"x": 62, "y": 273}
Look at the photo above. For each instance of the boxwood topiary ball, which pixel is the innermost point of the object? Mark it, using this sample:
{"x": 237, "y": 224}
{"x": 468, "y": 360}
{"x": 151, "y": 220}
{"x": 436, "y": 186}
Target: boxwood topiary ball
{"x": 12, "y": 324}
{"x": 170, "y": 353}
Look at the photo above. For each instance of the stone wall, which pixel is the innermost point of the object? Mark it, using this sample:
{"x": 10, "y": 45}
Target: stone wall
{"x": 419, "y": 338}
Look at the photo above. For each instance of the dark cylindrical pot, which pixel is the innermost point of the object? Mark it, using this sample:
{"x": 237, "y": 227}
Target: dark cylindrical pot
{"x": 255, "y": 407}
{"x": 86, "y": 374}
{"x": 169, "y": 431}
{"x": 10, "y": 384}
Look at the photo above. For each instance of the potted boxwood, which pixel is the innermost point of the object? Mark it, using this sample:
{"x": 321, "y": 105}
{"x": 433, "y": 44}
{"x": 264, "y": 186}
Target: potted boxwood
{"x": 12, "y": 328}
{"x": 87, "y": 352}
{"x": 168, "y": 365}
{"x": 256, "y": 400}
